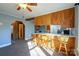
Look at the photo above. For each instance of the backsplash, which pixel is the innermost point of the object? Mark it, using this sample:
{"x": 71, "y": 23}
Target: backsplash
{"x": 39, "y": 29}
{"x": 57, "y": 29}
{"x": 42, "y": 29}
{"x": 54, "y": 29}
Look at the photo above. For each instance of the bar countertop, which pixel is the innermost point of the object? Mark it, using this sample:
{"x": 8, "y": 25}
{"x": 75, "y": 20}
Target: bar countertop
{"x": 55, "y": 34}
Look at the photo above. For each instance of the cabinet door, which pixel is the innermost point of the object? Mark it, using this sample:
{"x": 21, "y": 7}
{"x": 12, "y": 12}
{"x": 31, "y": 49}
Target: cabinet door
{"x": 71, "y": 43}
{"x": 68, "y": 18}
{"x": 46, "y": 19}
{"x": 72, "y": 19}
{"x": 57, "y": 18}
{"x": 54, "y": 19}
{"x": 60, "y": 17}
{"x": 43, "y": 20}
{"x": 38, "y": 20}
{"x": 35, "y": 21}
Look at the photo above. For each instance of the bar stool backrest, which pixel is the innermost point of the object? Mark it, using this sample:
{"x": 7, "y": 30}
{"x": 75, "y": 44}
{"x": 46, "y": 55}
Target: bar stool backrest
{"x": 63, "y": 39}
{"x": 44, "y": 37}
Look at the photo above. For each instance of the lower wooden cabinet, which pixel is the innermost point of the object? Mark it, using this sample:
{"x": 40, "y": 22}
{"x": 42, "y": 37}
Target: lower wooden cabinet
{"x": 71, "y": 43}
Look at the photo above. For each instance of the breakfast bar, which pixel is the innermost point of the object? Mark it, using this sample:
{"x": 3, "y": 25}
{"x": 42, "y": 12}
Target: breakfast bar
{"x": 54, "y": 41}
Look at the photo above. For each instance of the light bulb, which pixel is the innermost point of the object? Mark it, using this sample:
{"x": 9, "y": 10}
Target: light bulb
{"x": 22, "y": 5}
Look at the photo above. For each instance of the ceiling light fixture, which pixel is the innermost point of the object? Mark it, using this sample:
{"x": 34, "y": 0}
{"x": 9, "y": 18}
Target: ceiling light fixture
{"x": 26, "y": 6}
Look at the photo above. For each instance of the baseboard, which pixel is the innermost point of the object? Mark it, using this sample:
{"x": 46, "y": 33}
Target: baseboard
{"x": 4, "y": 45}
{"x": 28, "y": 38}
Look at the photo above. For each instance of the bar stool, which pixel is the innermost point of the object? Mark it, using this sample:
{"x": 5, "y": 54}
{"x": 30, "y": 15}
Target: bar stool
{"x": 39, "y": 40}
{"x": 44, "y": 40}
{"x": 63, "y": 42}
{"x": 49, "y": 42}
{"x": 52, "y": 42}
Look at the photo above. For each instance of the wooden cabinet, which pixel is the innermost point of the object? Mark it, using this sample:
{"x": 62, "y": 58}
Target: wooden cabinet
{"x": 65, "y": 18}
{"x": 33, "y": 36}
{"x": 46, "y": 19}
{"x": 54, "y": 20}
{"x": 57, "y": 18}
{"x": 43, "y": 20}
{"x": 38, "y": 20}
{"x": 71, "y": 43}
{"x": 68, "y": 21}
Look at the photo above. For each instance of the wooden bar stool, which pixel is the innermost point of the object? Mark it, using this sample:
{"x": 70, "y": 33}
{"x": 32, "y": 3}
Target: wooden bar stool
{"x": 44, "y": 40}
{"x": 52, "y": 42}
{"x": 39, "y": 40}
{"x": 63, "y": 43}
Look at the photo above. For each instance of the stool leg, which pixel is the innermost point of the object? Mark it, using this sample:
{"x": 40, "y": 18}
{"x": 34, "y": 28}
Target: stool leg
{"x": 59, "y": 48}
{"x": 66, "y": 49}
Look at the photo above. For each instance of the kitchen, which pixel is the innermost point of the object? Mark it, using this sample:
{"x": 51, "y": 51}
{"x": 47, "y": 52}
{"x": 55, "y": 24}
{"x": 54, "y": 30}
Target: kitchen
{"x": 51, "y": 27}
{"x": 56, "y": 31}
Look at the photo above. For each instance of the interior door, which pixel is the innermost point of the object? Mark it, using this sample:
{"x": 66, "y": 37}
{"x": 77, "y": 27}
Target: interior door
{"x": 21, "y": 31}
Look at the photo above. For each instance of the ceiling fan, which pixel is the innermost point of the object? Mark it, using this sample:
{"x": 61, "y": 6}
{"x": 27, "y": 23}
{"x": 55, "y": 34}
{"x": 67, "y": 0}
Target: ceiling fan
{"x": 26, "y": 6}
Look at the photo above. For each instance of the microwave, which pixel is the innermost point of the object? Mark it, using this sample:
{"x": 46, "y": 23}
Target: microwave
{"x": 66, "y": 32}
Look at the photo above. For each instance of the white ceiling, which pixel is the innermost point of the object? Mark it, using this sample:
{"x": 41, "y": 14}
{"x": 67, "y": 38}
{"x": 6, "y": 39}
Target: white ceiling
{"x": 40, "y": 9}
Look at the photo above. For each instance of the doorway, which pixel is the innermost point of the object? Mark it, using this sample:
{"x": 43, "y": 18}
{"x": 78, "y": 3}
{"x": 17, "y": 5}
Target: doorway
{"x": 18, "y": 30}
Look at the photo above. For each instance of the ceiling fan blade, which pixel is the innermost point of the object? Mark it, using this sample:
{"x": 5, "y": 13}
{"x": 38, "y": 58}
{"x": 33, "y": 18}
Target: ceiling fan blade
{"x": 29, "y": 9}
{"x": 32, "y": 4}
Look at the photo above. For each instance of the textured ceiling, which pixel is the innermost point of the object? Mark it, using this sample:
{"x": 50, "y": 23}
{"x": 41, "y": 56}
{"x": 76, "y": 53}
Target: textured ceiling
{"x": 40, "y": 9}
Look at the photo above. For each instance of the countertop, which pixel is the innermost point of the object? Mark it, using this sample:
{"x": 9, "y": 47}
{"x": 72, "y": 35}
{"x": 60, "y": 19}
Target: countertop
{"x": 55, "y": 34}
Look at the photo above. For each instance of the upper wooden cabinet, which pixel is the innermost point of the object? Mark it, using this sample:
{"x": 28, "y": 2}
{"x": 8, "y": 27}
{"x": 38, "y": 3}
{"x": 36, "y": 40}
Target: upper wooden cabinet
{"x": 68, "y": 21}
{"x": 38, "y": 20}
{"x": 65, "y": 18}
{"x": 43, "y": 20}
{"x": 46, "y": 19}
{"x": 57, "y": 18}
